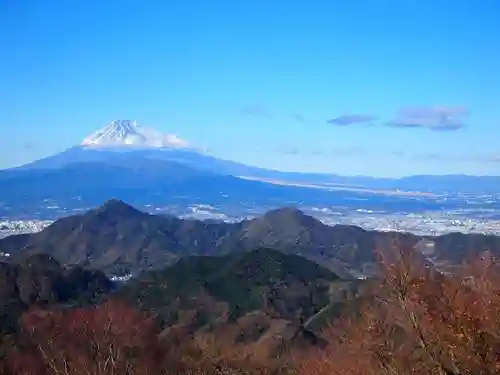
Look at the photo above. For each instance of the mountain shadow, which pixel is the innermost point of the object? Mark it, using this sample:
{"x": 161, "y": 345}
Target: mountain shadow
{"x": 39, "y": 280}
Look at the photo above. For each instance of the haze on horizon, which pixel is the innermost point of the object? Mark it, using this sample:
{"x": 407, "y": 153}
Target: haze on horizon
{"x": 373, "y": 87}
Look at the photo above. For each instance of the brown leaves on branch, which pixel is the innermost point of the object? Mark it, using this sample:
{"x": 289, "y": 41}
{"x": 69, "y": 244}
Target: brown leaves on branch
{"x": 116, "y": 339}
{"x": 420, "y": 321}
{"x": 107, "y": 339}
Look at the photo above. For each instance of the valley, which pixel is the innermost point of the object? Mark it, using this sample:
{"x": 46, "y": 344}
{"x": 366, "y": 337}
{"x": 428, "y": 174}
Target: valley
{"x": 231, "y": 295}
{"x": 136, "y": 235}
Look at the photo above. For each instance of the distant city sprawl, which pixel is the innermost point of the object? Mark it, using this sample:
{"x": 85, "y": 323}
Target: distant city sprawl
{"x": 420, "y": 223}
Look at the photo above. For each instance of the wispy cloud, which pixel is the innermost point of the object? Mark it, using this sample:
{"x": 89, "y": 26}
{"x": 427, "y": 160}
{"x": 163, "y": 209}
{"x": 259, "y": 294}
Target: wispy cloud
{"x": 289, "y": 150}
{"x": 397, "y": 153}
{"x": 435, "y": 156}
{"x": 29, "y": 146}
{"x": 434, "y": 118}
{"x": 450, "y": 158}
{"x": 256, "y": 110}
{"x": 297, "y": 117}
{"x": 351, "y": 119}
{"x": 348, "y": 151}
{"x": 338, "y": 152}
{"x": 494, "y": 159}
{"x": 483, "y": 158}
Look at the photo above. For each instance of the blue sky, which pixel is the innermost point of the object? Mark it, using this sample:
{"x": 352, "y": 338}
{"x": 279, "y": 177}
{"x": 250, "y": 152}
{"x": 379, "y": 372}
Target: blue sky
{"x": 380, "y": 87}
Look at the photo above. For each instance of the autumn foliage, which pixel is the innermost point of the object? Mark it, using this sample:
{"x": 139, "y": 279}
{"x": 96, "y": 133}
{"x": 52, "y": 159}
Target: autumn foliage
{"x": 419, "y": 321}
{"x": 114, "y": 338}
{"x": 111, "y": 338}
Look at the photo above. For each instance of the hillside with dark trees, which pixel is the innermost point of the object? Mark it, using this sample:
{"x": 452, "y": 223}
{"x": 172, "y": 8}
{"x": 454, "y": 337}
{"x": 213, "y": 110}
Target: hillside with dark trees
{"x": 257, "y": 297}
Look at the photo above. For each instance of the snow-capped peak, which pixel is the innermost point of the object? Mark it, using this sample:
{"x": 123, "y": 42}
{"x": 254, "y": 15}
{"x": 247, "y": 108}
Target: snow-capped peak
{"x": 127, "y": 133}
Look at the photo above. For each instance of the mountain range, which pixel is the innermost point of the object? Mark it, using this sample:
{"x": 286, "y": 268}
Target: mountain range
{"x": 259, "y": 301}
{"x": 266, "y": 285}
{"x": 120, "y": 239}
{"x": 144, "y": 166}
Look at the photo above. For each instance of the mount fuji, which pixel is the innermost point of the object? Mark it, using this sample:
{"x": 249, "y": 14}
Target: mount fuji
{"x": 126, "y": 133}
{"x": 142, "y": 166}
{"x": 145, "y": 167}
{"x": 127, "y": 141}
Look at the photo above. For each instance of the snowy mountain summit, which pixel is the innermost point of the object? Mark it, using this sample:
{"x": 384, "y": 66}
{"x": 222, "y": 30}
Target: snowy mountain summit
{"x": 127, "y": 133}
